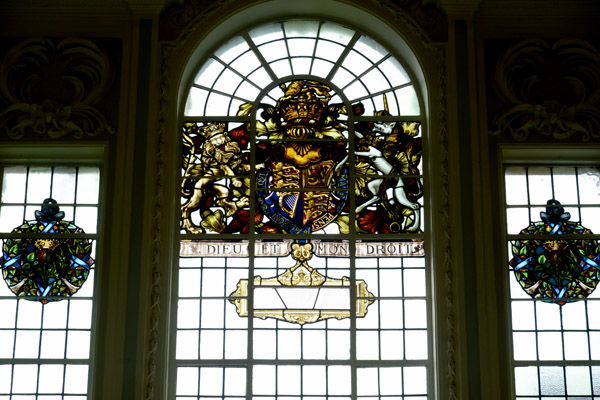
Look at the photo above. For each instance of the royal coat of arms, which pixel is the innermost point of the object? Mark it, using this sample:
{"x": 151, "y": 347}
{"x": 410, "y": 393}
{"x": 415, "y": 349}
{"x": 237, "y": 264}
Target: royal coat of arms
{"x": 302, "y": 169}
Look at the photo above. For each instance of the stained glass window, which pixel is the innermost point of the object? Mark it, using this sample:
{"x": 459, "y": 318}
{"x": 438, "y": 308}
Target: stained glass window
{"x": 45, "y": 332}
{"x": 302, "y": 264}
{"x": 553, "y": 304}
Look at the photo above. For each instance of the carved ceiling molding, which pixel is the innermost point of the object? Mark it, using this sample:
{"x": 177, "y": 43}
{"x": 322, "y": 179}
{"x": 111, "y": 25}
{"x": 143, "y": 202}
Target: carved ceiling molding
{"x": 429, "y": 18}
{"x": 50, "y": 88}
{"x": 179, "y": 18}
{"x": 548, "y": 88}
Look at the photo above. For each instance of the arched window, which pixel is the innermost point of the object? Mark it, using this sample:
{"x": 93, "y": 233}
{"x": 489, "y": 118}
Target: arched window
{"x": 302, "y": 266}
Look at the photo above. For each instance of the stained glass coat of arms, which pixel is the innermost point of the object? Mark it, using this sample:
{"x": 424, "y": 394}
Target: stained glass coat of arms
{"x": 302, "y": 164}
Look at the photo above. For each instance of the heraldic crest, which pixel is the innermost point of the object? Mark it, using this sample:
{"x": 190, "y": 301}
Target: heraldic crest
{"x": 302, "y": 168}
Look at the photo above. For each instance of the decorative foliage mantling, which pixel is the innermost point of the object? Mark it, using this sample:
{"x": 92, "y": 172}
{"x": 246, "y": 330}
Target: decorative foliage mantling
{"x": 550, "y": 89}
{"x": 51, "y": 89}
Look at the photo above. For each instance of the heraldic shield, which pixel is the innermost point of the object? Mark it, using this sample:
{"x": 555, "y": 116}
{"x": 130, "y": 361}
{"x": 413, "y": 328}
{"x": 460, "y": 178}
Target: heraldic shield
{"x": 302, "y": 182}
{"x": 308, "y": 210}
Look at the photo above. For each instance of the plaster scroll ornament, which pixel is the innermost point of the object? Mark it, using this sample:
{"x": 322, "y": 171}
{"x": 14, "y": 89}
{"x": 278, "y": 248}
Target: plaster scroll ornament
{"x": 51, "y": 89}
{"x": 551, "y": 89}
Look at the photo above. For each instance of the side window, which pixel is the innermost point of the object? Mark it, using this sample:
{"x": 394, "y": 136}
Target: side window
{"x": 48, "y": 226}
{"x": 302, "y": 268}
{"x": 553, "y": 227}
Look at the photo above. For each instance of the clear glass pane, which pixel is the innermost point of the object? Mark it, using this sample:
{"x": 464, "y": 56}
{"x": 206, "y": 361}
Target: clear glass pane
{"x": 517, "y": 219}
{"x": 301, "y": 66}
{"x": 8, "y": 310}
{"x": 370, "y": 48}
{"x": 78, "y": 344}
{"x": 5, "y": 378}
{"x": 552, "y": 381}
{"x": 523, "y": 317}
{"x": 526, "y": 381}
{"x": 187, "y": 381}
{"x": 589, "y": 185}
{"x": 550, "y": 346}
{"x": 578, "y": 381}
{"x": 301, "y": 47}
{"x": 246, "y": 63}
{"x": 11, "y": 217}
{"x": 53, "y": 344}
{"x": 87, "y": 219}
{"x": 548, "y": 316}
{"x": 51, "y": 378}
{"x": 576, "y": 346}
{"x": 281, "y": 68}
{"x": 375, "y": 81}
{"x": 235, "y": 381}
{"x": 565, "y": 184}
{"x": 228, "y": 82}
{"x": 540, "y": 185}
{"x": 516, "y": 186}
{"x": 274, "y": 50}
{"x": 524, "y": 346}
{"x": 301, "y": 28}
{"x": 335, "y": 33}
{"x": 187, "y": 345}
{"x": 38, "y": 184}
{"x": 415, "y": 380}
{"x": 80, "y": 314}
{"x": 356, "y": 63}
{"x": 211, "y": 381}
{"x": 416, "y": 345}
{"x": 263, "y": 380}
{"x": 209, "y": 73}
{"x": 88, "y": 185}
{"x": 266, "y": 33}
{"x": 230, "y": 50}
{"x": 390, "y": 381}
{"x": 408, "y": 101}
{"x": 328, "y": 50}
{"x": 14, "y": 179}
{"x": 288, "y": 380}
{"x": 590, "y": 218}
{"x": 24, "y": 378}
{"x": 394, "y": 71}
{"x": 196, "y": 102}
{"x": 367, "y": 382}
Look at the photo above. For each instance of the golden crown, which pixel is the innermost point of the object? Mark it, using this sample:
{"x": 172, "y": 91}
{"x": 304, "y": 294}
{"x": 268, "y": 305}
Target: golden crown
{"x": 304, "y": 99}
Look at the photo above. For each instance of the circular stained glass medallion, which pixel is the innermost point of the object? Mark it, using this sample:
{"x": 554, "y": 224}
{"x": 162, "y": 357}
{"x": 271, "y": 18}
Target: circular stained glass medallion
{"x": 556, "y": 270}
{"x": 46, "y": 268}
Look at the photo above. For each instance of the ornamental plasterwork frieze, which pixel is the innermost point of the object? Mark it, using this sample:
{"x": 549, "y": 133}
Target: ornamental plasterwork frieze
{"x": 547, "y": 88}
{"x": 51, "y": 89}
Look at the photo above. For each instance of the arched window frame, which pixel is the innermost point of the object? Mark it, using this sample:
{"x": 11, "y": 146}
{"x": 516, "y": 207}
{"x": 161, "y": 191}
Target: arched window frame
{"x": 178, "y": 62}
